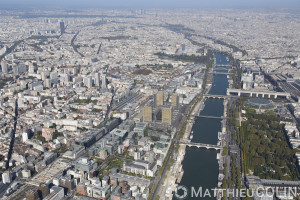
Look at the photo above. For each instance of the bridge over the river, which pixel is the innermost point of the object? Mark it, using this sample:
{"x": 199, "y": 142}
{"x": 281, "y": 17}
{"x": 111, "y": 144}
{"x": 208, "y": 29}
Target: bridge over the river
{"x": 210, "y": 117}
{"x": 201, "y": 145}
{"x": 216, "y": 96}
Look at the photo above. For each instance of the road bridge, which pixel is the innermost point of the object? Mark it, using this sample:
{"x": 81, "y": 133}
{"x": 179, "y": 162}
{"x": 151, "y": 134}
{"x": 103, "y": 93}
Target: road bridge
{"x": 221, "y": 68}
{"x": 216, "y": 96}
{"x": 210, "y": 117}
{"x": 223, "y": 65}
{"x": 201, "y": 145}
{"x": 225, "y": 73}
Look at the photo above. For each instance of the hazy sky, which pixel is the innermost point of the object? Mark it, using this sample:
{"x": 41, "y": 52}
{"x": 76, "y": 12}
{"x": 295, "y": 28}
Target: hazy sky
{"x": 150, "y": 3}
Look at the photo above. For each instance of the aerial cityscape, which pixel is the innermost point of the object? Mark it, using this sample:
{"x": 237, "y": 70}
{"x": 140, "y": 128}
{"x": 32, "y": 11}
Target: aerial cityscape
{"x": 149, "y": 103}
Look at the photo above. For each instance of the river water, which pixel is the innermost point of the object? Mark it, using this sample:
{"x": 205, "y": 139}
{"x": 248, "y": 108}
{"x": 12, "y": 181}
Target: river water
{"x": 200, "y": 165}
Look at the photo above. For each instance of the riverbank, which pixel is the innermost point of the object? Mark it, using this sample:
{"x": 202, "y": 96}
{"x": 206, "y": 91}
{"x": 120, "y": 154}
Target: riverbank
{"x": 188, "y": 168}
{"x": 176, "y": 172}
{"x": 203, "y": 167}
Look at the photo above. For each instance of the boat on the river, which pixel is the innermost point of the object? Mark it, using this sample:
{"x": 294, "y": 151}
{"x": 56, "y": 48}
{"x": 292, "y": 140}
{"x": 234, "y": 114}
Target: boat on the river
{"x": 192, "y": 135}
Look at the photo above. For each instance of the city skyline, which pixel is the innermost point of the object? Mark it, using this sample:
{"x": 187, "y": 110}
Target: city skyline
{"x": 148, "y": 104}
{"x": 150, "y": 4}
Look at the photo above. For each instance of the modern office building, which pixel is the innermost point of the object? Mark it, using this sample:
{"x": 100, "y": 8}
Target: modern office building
{"x": 6, "y": 177}
{"x": 97, "y": 79}
{"x": 119, "y": 134}
{"x": 4, "y": 67}
{"x": 32, "y": 194}
{"x": 147, "y": 114}
{"x": 47, "y": 83}
{"x": 44, "y": 189}
{"x": 31, "y": 68}
{"x": 175, "y": 101}
{"x": 159, "y": 98}
{"x": 167, "y": 115}
{"x": 85, "y": 164}
{"x": 88, "y": 82}
{"x": 127, "y": 125}
{"x": 104, "y": 83}
{"x": 62, "y": 27}
{"x": 140, "y": 128}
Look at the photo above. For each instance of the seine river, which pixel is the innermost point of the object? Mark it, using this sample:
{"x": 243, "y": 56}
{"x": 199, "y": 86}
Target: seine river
{"x": 200, "y": 165}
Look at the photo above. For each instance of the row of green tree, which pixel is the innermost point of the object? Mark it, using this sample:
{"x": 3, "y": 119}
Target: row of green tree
{"x": 142, "y": 72}
{"x": 188, "y": 58}
{"x": 237, "y": 72}
{"x": 265, "y": 150}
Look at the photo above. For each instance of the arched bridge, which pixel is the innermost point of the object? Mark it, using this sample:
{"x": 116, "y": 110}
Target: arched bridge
{"x": 226, "y": 73}
{"x": 201, "y": 145}
{"x": 216, "y": 96}
{"x": 223, "y": 65}
{"x": 210, "y": 117}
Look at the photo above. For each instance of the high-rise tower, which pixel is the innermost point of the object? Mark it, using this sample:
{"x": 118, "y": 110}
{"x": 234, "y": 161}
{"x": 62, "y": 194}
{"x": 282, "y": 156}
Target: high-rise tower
{"x": 167, "y": 115}
{"x": 159, "y": 99}
{"x": 147, "y": 114}
{"x": 62, "y": 27}
{"x": 97, "y": 79}
{"x": 104, "y": 83}
{"x": 4, "y": 67}
{"x": 175, "y": 101}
